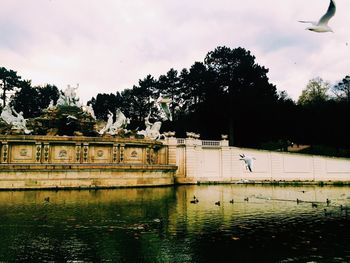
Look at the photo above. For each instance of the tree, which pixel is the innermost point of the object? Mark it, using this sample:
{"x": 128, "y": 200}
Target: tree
{"x": 315, "y": 92}
{"x": 243, "y": 86}
{"x": 8, "y": 81}
{"x": 137, "y": 101}
{"x": 104, "y": 103}
{"x": 285, "y": 114}
{"x": 32, "y": 100}
{"x": 46, "y": 94}
{"x": 342, "y": 89}
{"x": 194, "y": 85}
{"x": 26, "y": 100}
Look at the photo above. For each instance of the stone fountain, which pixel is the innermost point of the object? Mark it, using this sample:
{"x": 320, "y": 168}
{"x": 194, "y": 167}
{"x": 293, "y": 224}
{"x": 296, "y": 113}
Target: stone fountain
{"x": 65, "y": 148}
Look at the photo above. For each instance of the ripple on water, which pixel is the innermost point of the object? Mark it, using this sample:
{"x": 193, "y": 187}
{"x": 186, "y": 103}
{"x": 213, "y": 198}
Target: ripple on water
{"x": 151, "y": 224}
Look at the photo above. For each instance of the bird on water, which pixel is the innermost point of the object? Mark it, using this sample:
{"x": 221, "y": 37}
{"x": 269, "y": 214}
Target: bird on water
{"x": 195, "y": 200}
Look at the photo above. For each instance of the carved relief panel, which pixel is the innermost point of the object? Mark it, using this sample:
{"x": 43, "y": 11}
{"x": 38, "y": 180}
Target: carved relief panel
{"x": 62, "y": 153}
{"x": 134, "y": 155}
{"x": 22, "y": 153}
{"x": 100, "y": 153}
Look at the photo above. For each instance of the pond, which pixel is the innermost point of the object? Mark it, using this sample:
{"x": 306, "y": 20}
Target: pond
{"x": 229, "y": 223}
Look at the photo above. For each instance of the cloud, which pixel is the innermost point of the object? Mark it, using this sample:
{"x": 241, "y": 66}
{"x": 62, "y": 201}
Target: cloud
{"x": 107, "y": 46}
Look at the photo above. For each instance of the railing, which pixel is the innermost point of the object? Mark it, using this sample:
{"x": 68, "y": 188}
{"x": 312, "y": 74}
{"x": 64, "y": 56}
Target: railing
{"x": 181, "y": 141}
{"x": 210, "y": 143}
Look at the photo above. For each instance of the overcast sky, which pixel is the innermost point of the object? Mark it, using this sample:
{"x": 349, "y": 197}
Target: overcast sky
{"x": 108, "y": 45}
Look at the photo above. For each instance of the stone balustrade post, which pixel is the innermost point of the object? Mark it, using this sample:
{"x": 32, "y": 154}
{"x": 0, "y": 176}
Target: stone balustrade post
{"x": 121, "y": 153}
{"x": 226, "y": 161}
{"x": 46, "y": 152}
{"x": 148, "y": 155}
{"x": 115, "y": 153}
{"x": 78, "y": 152}
{"x": 172, "y": 145}
{"x": 191, "y": 158}
{"x": 85, "y": 152}
{"x": 38, "y": 152}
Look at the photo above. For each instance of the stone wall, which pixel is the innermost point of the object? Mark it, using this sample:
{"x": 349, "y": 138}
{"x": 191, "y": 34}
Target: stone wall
{"x": 214, "y": 161}
{"x": 62, "y": 161}
{"x": 64, "y": 149}
{"x": 28, "y": 162}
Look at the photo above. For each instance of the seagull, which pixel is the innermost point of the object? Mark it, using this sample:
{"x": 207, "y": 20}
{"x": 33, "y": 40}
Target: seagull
{"x": 248, "y": 161}
{"x": 322, "y": 25}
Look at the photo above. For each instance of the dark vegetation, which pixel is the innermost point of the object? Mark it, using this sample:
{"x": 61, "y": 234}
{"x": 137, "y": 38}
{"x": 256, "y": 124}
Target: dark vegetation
{"x": 227, "y": 93}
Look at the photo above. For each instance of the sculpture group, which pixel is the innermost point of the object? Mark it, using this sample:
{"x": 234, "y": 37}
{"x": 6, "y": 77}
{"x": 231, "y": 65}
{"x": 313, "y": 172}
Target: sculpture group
{"x": 116, "y": 123}
{"x": 151, "y": 131}
{"x": 14, "y": 119}
{"x": 113, "y": 128}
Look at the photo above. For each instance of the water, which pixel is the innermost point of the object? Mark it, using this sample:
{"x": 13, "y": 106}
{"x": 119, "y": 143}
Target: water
{"x": 162, "y": 225}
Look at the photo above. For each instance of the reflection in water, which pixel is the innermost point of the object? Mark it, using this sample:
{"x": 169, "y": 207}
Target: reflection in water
{"x": 251, "y": 224}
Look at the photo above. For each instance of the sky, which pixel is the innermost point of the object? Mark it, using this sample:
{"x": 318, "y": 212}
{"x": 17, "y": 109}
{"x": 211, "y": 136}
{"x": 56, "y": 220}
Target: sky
{"x": 109, "y": 45}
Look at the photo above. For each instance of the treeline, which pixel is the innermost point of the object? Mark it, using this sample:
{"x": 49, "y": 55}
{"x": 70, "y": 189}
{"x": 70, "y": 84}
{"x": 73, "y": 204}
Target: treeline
{"x": 227, "y": 93}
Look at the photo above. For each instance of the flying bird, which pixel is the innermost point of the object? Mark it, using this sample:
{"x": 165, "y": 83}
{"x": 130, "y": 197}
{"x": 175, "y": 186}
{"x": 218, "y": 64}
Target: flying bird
{"x": 322, "y": 25}
{"x": 248, "y": 161}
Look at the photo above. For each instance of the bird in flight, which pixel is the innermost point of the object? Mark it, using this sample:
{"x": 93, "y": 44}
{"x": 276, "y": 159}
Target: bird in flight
{"x": 322, "y": 25}
{"x": 248, "y": 161}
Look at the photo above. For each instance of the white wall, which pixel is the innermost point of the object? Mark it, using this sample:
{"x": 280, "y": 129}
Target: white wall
{"x": 215, "y": 161}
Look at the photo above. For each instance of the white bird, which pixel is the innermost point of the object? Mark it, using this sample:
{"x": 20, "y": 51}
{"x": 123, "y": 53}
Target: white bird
{"x": 322, "y": 25}
{"x": 248, "y": 161}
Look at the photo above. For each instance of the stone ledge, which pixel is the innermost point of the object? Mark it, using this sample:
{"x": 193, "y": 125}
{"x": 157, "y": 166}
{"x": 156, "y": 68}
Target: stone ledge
{"x": 73, "y": 139}
{"x": 57, "y": 167}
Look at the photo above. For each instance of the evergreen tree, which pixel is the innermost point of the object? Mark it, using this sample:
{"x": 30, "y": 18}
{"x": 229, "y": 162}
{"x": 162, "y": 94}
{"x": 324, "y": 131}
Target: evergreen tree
{"x": 8, "y": 81}
{"x": 246, "y": 94}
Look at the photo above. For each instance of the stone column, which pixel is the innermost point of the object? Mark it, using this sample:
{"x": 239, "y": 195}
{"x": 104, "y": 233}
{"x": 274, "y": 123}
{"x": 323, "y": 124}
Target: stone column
{"x": 154, "y": 154}
{"x": 38, "y": 152}
{"x": 4, "y": 152}
{"x": 149, "y": 154}
{"x": 172, "y": 145}
{"x": 225, "y": 160}
{"x": 46, "y": 153}
{"x": 191, "y": 159}
{"x": 121, "y": 153}
{"x": 85, "y": 152}
{"x": 78, "y": 152}
{"x": 115, "y": 153}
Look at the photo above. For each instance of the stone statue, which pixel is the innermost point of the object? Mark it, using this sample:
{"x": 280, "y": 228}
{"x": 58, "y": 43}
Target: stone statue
{"x": 10, "y": 116}
{"x": 61, "y": 100}
{"x": 152, "y": 130}
{"x": 108, "y": 124}
{"x": 6, "y": 114}
{"x": 69, "y": 97}
{"x": 51, "y": 105}
{"x": 88, "y": 109}
{"x": 169, "y": 134}
{"x": 120, "y": 123}
{"x": 193, "y": 135}
{"x": 164, "y": 105}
